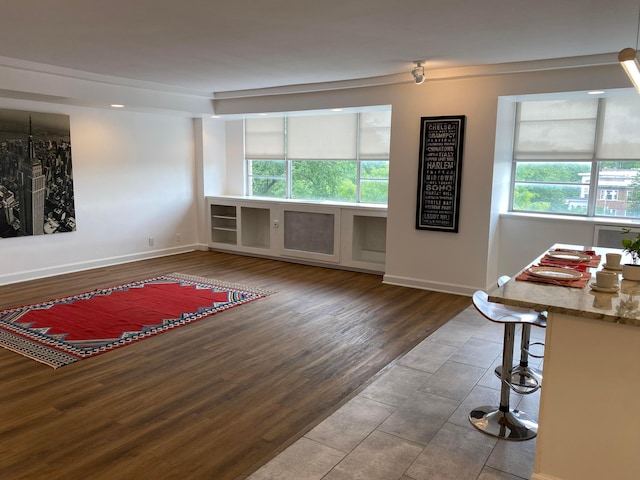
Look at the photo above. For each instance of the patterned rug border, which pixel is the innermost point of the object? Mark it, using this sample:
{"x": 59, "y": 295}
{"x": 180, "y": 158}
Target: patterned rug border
{"x": 57, "y": 353}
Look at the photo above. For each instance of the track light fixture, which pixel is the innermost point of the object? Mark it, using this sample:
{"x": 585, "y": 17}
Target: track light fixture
{"x": 418, "y": 73}
{"x": 628, "y": 58}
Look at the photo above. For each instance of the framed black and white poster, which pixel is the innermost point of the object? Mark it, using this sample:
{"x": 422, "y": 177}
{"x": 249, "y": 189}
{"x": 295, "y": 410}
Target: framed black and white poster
{"x": 440, "y": 173}
{"x": 36, "y": 175}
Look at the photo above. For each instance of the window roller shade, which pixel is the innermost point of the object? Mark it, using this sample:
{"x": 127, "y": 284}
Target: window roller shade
{"x": 322, "y": 137}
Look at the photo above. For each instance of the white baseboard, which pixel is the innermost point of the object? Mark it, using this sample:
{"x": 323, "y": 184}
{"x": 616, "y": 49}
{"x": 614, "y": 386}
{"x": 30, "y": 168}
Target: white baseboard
{"x": 96, "y": 263}
{"x": 456, "y": 289}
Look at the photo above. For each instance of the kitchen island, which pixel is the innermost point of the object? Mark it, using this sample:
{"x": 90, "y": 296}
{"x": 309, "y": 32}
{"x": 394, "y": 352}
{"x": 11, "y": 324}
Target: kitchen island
{"x": 589, "y": 418}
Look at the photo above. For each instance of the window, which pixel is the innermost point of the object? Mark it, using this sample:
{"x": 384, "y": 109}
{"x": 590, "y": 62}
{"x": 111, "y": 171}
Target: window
{"x": 578, "y": 157}
{"x": 326, "y": 156}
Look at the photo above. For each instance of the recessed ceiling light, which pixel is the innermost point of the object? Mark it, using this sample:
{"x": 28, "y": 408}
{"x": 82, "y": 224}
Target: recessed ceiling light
{"x": 215, "y": 116}
{"x": 263, "y": 114}
{"x": 596, "y": 92}
{"x": 117, "y": 105}
{"x": 336, "y": 109}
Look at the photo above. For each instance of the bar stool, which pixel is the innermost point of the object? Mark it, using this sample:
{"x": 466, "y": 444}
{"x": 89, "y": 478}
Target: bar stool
{"x": 523, "y": 375}
{"x": 502, "y": 421}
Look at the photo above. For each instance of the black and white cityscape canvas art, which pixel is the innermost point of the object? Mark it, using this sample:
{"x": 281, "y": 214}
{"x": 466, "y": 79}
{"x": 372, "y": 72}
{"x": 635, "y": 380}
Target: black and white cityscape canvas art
{"x": 36, "y": 175}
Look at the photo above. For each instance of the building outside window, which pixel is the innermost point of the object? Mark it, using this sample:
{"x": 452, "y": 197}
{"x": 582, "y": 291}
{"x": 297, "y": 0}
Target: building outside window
{"x": 329, "y": 156}
{"x": 578, "y": 157}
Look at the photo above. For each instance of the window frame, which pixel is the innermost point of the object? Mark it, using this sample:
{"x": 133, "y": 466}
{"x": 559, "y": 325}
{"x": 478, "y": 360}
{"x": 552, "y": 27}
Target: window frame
{"x": 596, "y": 164}
{"x": 609, "y": 194}
{"x": 289, "y": 166}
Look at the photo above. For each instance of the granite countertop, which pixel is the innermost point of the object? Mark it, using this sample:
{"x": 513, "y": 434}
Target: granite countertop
{"x": 620, "y": 307}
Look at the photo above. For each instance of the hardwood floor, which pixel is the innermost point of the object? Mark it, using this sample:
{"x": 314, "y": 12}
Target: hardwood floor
{"x": 214, "y": 399}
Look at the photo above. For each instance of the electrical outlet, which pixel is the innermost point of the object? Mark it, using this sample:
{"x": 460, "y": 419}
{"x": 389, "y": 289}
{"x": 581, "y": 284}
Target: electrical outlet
{"x": 152, "y": 241}
{"x": 178, "y": 239}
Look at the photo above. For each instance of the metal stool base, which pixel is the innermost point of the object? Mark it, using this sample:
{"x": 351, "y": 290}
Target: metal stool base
{"x": 511, "y": 425}
{"x": 524, "y": 377}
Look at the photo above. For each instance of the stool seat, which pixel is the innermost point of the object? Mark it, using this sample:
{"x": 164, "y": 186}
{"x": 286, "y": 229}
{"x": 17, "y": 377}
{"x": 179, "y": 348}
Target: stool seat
{"x": 539, "y": 319}
{"x": 499, "y": 313}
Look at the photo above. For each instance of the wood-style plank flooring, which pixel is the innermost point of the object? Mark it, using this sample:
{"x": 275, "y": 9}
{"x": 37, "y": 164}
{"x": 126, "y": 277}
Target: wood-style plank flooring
{"x": 214, "y": 399}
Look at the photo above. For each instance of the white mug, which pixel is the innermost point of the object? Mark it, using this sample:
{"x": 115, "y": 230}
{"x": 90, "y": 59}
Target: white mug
{"x": 606, "y": 279}
{"x": 613, "y": 259}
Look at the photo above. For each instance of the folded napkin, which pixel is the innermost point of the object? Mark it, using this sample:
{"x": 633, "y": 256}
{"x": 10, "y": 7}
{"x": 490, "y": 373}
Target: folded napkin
{"x": 577, "y": 283}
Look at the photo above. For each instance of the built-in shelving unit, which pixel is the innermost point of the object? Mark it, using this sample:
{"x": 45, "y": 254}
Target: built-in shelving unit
{"x": 224, "y": 224}
{"x": 342, "y": 235}
{"x": 369, "y": 239}
{"x": 256, "y": 227}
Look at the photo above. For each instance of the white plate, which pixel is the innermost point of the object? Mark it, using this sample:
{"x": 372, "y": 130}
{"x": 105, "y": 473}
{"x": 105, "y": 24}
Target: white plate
{"x": 604, "y": 289}
{"x": 555, "y": 273}
{"x": 617, "y": 268}
{"x": 569, "y": 256}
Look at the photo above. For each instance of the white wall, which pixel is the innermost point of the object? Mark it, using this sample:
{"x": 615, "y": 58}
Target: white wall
{"x": 134, "y": 178}
{"x": 211, "y": 168}
{"x": 474, "y": 257}
{"x": 524, "y": 237}
{"x": 234, "y": 135}
{"x": 441, "y": 260}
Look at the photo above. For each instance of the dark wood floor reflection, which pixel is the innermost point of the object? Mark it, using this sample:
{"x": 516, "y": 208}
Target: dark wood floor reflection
{"x": 214, "y": 399}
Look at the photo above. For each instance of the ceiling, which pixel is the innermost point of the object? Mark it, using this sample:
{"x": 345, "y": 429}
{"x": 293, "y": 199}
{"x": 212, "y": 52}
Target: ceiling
{"x": 215, "y": 46}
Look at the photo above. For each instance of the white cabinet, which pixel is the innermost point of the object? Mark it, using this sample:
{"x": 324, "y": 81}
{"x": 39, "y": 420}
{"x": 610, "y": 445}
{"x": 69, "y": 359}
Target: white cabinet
{"x": 346, "y": 236}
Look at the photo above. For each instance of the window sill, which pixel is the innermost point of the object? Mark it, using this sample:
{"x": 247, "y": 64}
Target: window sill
{"x": 622, "y": 222}
{"x": 380, "y": 206}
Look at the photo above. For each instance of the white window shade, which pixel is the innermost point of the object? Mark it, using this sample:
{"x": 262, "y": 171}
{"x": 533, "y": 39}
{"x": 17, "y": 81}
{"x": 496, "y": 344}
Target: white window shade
{"x": 558, "y": 110}
{"x": 556, "y": 140}
{"x": 322, "y": 137}
{"x": 620, "y": 138}
{"x": 556, "y": 130}
{"x": 264, "y": 138}
{"x": 375, "y": 135}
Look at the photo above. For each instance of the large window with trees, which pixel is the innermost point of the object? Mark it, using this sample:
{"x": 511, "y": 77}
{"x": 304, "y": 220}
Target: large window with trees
{"x": 334, "y": 156}
{"x": 578, "y": 157}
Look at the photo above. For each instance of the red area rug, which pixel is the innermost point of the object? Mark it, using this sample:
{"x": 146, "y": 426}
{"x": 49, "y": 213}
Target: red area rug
{"x": 62, "y": 331}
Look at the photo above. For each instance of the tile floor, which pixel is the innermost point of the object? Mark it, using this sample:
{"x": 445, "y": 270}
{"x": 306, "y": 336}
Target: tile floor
{"x": 411, "y": 422}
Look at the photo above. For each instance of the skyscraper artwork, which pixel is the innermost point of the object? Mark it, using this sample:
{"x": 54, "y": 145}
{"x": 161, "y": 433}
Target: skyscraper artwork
{"x": 36, "y": 175}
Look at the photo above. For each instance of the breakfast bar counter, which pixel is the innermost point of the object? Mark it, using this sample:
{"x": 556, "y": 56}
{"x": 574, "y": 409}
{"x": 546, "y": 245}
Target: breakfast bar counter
{"x": 589, "y": 418}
